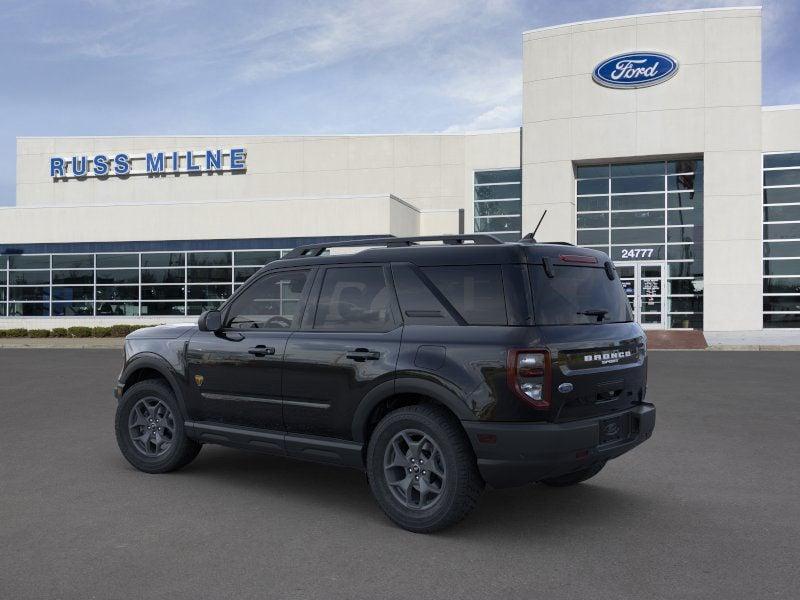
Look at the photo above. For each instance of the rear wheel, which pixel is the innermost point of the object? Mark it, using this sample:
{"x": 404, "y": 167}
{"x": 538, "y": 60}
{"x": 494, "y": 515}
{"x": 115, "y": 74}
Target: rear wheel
{"x": 422, "y": 470}
{"x": 149, "y": 429}
{"x": 575, "y": 476}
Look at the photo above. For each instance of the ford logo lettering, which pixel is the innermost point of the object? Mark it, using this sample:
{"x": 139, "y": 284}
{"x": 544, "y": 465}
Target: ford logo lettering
{"x": 565, "y": 388}
{"x": 635, "y": 70}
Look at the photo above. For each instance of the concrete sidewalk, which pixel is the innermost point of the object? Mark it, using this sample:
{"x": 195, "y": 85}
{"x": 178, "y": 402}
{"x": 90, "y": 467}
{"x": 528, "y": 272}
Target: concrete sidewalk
{"x": 764, "y": 339}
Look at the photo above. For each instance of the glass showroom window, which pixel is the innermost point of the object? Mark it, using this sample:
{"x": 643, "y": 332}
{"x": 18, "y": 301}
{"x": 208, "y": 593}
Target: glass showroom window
{"x": 781, "y": 240}
{"x": 124, "y": 284}
{"x": 649, "y": 212}
{"x": 498, "y": 203}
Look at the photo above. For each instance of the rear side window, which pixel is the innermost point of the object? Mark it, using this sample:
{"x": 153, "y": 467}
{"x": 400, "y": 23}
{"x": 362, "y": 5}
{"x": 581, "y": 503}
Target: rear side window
{"x": 476, "y": 292}
{"x": 354, "y": 299}
{"x": 419, "y": 304}
{"x": 577, "y": 296}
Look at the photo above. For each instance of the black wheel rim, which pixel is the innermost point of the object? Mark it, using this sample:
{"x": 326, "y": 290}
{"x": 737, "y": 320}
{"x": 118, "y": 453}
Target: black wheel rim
{"x": 414, "y": 470}
{"x": 151, "y": 427}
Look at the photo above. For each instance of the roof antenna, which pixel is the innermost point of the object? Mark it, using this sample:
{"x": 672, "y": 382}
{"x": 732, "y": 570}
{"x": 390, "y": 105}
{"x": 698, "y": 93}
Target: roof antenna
{"x": 531, "y": 237}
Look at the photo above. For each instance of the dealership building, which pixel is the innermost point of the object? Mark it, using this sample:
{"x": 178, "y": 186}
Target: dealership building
{"x": 643, "y": 136}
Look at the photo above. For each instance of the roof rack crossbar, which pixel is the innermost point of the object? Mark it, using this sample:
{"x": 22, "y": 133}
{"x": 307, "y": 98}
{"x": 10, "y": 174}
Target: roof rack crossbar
{"x": 312, "y": 250}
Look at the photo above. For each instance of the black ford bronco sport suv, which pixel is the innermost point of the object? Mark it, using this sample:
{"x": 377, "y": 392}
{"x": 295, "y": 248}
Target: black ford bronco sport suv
{"x": 436, "y": 368}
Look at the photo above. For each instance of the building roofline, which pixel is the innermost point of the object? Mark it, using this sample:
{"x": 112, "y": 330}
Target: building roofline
{"x": 652, "y": 14}
{"x": 782, "y": 107}
{"x": 267, "y": 135}
{"x": 386, "y": 195}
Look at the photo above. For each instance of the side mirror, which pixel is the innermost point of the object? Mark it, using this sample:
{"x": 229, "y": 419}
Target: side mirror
{"x": 210, "y": 320}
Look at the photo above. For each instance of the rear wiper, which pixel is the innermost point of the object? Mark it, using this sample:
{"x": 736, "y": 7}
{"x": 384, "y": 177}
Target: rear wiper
{"x": 600, "y": 313}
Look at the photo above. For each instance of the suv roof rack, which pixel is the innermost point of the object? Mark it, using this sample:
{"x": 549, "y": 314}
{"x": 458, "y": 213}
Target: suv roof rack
{"x": 312, "y": 250}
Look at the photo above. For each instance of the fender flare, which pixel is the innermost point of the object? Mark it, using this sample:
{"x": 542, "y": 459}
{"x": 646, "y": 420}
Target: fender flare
{"x": 407, "y": 385}
{"x": 149, "y": 360}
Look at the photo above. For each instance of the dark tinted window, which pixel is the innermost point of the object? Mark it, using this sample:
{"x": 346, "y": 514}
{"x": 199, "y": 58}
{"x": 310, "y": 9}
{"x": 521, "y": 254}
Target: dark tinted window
{"x": 272, "y": 302}
{"x": 29, "y": 277}
{"x": 107, "y": 261}
{"x": 789, "y": 177}
{"x": 476, "y": 292}
{"x": 584, "y": 172}
{"x": 565, "y": 298}
{"x": 417, "y": 302}
{"x": 163, "y": 275}
{"x": 593, "y": 186}
{"x": 354, "y": 299}
{"x": 209, "y": 259}
{"x": 118, "y": 276}
{"x": 501, "y": 176}
{"x": 73, "y": 261}
{"x": 29, "y": 262}
{"x": 84, "y": 276}
{"x": 161, "y": 259}
{"x": 257, "y": 258}
{"x": 593, "y": 220}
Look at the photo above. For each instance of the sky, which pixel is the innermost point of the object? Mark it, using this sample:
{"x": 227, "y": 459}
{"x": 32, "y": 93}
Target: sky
{"x": 161, "y": 67}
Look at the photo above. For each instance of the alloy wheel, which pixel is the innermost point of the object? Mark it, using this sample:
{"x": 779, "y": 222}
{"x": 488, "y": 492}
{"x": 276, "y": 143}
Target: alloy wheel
{"x": 151, "y": 427}
{"x": 414, "y": 469}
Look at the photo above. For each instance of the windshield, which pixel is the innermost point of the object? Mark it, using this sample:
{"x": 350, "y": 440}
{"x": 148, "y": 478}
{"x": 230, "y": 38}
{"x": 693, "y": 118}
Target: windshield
{"x": 578, "y": 296}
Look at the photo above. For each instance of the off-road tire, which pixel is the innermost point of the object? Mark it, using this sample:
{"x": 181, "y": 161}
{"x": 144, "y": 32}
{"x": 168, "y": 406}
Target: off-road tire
{"x": 181, "y": 450}
{"x": 575, "y": 477}
{"x": 463, "y": 483}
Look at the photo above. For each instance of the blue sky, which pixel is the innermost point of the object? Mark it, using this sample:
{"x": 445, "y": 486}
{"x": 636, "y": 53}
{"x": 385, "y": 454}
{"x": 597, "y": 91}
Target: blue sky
{"x": 151, "y": 67}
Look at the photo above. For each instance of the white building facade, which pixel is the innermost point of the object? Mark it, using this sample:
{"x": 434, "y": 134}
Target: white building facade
{"x": 665, "y": 158}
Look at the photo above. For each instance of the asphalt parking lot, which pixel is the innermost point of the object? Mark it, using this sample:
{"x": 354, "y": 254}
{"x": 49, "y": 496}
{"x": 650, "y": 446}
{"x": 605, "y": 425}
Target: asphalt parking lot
{"x": 708, "y": 508}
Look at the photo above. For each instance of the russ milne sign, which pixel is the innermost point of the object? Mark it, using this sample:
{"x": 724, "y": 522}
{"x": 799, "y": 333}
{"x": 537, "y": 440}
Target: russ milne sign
{"x": 151, "y": 163}
{"x": 635, "y": 70}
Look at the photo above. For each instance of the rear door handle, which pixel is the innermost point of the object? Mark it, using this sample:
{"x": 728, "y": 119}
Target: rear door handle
{"x": 261, "y": 350}
{"x": 362, "y": 354}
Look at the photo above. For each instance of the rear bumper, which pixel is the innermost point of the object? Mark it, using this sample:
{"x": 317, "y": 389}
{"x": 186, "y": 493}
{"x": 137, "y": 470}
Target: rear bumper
{"x": 526, "y": 452}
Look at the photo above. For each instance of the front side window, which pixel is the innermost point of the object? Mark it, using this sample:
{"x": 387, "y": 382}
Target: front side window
{"x": 272, "y": 302}
{"x": 354, "y": 299}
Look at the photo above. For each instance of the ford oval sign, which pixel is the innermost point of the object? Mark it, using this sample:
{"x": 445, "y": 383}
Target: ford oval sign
{"x": 635, "y": 70}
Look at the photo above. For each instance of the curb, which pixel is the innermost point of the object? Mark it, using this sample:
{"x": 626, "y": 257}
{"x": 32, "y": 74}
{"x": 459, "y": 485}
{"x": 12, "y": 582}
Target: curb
{"x": 63, "y": 343}
{"x": 733, "y": 348}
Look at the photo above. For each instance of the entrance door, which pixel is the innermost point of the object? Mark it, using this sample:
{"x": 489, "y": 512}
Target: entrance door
{"x": 644, "y": 286}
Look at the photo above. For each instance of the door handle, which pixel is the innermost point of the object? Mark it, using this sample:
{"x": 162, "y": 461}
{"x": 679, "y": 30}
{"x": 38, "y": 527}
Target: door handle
{"x": 362, "y": 354}
{"x": 261, "y": 350}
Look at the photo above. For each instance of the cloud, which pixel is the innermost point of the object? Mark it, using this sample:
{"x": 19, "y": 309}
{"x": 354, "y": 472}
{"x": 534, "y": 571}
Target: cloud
{"x": 497, "y": 117}
{"x": 329, "y": 35}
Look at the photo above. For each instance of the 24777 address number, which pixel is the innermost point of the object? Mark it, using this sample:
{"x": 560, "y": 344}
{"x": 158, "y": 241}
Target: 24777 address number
{"x": 630, "y": 253}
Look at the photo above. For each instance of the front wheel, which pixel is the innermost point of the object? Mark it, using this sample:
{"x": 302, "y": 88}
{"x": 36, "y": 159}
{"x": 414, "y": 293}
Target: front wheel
{"x": 149, "y": 429}
{"x": 574, "y": 477}
{"x": 422, "y": 470}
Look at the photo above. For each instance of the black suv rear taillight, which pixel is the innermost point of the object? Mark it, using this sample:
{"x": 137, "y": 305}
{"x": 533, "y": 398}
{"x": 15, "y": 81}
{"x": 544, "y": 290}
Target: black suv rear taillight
{"x": 529, "y": 376}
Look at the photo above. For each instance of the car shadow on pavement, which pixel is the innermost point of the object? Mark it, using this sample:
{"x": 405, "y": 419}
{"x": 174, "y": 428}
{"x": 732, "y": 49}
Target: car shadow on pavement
{"x": 500, "y": 512}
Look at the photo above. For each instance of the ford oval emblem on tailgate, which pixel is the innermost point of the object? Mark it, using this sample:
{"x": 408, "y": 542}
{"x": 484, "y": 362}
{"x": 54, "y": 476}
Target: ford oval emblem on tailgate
{"x": 565, "y": 388}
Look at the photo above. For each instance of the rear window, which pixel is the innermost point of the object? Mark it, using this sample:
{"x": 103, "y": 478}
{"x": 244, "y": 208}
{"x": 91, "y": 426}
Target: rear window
{"x": 476, "y": 292}
{"x": 577, "y": 296}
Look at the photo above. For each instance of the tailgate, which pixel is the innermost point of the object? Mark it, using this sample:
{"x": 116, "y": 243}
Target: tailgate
{"x": 596, "y": 369}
